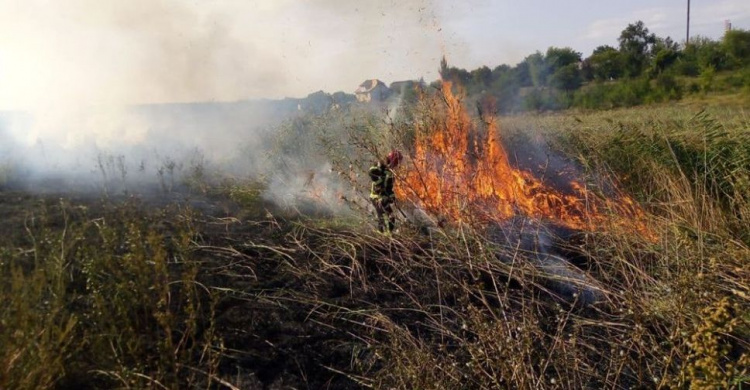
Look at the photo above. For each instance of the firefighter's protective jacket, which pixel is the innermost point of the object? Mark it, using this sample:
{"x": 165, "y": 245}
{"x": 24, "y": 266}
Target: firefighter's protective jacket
{"x": 382, "y": 182}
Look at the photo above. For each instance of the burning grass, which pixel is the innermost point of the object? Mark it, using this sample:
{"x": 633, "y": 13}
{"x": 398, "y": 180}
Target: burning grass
{"x": 460, "y": 171}
{"x": 228, "y": 291}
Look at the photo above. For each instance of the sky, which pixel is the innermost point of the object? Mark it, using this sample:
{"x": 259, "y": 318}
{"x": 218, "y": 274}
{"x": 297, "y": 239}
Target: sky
{"x": 110, "y": 53}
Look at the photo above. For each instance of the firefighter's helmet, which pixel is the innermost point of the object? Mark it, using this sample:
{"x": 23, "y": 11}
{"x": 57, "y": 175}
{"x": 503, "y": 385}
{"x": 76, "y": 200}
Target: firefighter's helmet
{"x": 394, "y": 158}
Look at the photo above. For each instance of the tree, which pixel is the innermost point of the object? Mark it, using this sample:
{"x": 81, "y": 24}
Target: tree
{"x": 736, "y": 45}
{"x": 606, "y": 63}
{"x": 481, "y": 76}
{"x": 500, "y": 70}
{"x": 522, "y": 73}
{"x": 700, "y": 54}
{"x": 666, "y": 53}
{"x": 635, "y": 44}
{"x": 505, "y": 88}
{"x": 537, "y": 69}
{"x": 567, "y": 78}
{"x": 453, "y": 74}
{"x": 557, "y": 58}
{"x": 343, "y": 98}
{"x": 443, "y": 71}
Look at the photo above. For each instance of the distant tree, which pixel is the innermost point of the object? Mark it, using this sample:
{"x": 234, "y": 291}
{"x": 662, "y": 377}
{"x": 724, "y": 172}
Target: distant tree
{"x": 606, "y": 63}
{"x": 410, "y": 93}
{"x": 557, "y": 58}
{"x": 342, "y": 98}
{"x": 736, "y": 45}
{"x": 500, "y": 70}
{"x": 567, "y": 78}
{"x": 538, "y": 70}
{"x": 409, "y": 97}
{"x": 497, "y": 72}
{"x": 453, "y": 74}
{"x": 700, "y": 54}
{"x": 604, "y": 49}
{"x": 533, "y": 101}
{"x": 636, "y": 43}
{"x": 317, "y": 102}
{"x": 522, "y": 73}
{"x": 665, "y": 54}
{"x": 481, "y": 76}
{"x": 587, "y": 71}
{"x": 461, "y": 75}
{"x": 444, "y": 70}
{"x": 506, "y": 86}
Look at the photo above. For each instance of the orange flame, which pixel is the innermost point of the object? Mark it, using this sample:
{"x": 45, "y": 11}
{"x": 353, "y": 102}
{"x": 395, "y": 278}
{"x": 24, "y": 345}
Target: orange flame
{"x": 457, "y": 173}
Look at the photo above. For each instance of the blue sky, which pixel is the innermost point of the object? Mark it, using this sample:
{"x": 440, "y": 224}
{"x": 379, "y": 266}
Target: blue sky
{"x": 149, "y": 51}
{"x": 584, "y": 25}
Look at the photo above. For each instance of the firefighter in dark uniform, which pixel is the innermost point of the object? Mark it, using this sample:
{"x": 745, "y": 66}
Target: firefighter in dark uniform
{"x": 381, "y": 193}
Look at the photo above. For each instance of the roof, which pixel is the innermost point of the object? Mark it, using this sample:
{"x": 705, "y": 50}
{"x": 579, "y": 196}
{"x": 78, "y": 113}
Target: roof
{"x": 369, "y": 85}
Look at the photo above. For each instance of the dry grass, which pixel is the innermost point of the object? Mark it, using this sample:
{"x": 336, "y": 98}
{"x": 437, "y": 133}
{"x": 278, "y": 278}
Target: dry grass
{"x": 131, "y": 296}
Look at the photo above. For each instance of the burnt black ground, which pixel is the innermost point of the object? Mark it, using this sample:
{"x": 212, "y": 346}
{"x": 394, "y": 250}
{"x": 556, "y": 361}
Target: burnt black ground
{"x": 285, "y": 322}
{"x": 266, "y": 315}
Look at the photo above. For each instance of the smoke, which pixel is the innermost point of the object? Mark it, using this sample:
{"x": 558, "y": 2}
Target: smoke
{"x": 541, "y": 242}
{"x": 85, "y": 52}
{"x": 92, "y": 93}
{"x": 85, "y": 82}
{"x": 530, "y": 152}
{"x": 312, "y": 191}
{"x": 99, "y": 90}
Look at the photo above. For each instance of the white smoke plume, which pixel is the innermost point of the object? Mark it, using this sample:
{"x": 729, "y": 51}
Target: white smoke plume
{"x": 96, "y": 89}
{"x": 80, "y": 79}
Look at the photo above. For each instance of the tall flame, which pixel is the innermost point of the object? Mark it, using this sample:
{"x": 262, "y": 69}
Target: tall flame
{"x": 460, "y": 174}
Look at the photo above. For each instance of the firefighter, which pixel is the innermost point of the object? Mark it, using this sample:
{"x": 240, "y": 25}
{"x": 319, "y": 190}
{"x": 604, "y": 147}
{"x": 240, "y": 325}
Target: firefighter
{"x": 381, "y": 193}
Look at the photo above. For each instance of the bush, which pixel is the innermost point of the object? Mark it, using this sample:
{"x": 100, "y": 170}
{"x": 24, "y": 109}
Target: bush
{"x": 686, "y": 67}
{"x": 668, "y": 87}
{"x": 625, "y": 93}
{"x": 707, "y": 77}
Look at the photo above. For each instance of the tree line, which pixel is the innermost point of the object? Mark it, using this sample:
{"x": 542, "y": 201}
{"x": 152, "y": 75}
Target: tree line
{"x": 644, "y": 68}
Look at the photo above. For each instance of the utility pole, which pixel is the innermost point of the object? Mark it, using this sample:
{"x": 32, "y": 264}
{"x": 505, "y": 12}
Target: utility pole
{"x": 687, "y": 35}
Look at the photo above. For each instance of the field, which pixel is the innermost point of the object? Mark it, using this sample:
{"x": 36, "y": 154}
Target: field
{"x": 212, "y": 285}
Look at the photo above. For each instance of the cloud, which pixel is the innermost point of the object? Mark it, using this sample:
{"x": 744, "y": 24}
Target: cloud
{"x": 716, "y": 13}
{"x": 670, "y": 21}
{"x": 609, "y": 29}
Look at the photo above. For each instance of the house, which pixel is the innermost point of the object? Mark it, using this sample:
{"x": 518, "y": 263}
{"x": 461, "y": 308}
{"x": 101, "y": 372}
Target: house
{"x": 373, "y": 91}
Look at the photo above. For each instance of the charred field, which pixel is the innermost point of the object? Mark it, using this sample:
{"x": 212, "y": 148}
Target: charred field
{"x": 634, "y": 275}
